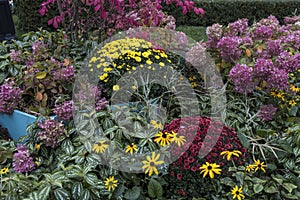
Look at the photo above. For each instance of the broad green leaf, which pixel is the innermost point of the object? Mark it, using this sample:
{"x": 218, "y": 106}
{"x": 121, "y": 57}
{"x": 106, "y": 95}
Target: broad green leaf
{"x": 86, "y": 195}
{"x": 61, "y": 194}
{"x": 77, "y": 190}
{"x": 271, "y": 190}
{"x": 133, "y": 193}
{"x": 245, "y": 142}
{"x": 41, "y": 75}
{"x": 154, "y": 189}
{"x": 258, "y": 188}
{"x": 289, "y": 187}
{"x": 44, "y": 192}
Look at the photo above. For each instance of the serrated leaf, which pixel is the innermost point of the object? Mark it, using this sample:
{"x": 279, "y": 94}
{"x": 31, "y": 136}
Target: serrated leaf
{"x": 133, "y": 193}
{"x": 154, "y": 189}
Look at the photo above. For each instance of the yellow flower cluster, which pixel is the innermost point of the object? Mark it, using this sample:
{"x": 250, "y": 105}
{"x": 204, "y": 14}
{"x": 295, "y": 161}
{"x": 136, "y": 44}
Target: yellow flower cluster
{"x": 165, "y": 138}
{"x": 256, "y": 166}
{"x": 289, "y": 99}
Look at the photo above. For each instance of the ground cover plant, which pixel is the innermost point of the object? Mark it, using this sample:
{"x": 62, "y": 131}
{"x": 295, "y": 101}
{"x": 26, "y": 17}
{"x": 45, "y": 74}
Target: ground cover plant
{"x": 112, "y": 140}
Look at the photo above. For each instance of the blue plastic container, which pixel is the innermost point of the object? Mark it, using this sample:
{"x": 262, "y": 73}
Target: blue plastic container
{"x": 16, "y": 123}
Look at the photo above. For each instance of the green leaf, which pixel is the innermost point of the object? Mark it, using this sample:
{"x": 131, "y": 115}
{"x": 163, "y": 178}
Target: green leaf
{"x": 77, "y": 189}
{"x": 289, "y": 187}
{"x": 293, "y": 111}
{"x": 61, "y": 193}
{"x": 44, "y": 192}
{"x": 154, "y": 189}
{"x": 91, "y": 178}
{"x": 258, "y": 188}
{"x": 245, "y": 142}
{"x": 271, "y": 189}
{"x": 86, "y": 195}
{"x": 133, "y": 194}
{"x": 41, "y": 75}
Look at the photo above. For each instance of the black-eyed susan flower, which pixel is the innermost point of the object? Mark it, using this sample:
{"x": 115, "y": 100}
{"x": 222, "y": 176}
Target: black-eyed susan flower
{"x": 131, "y": 148}
{"x": 259, "y": 165}
{"x": 4, "y": 170}
{"x": 228, "y": 154}
{"x": 111, "y": 183}
{"x": 178, "y": 140}
{"x": 249, "y": 168}
{"x": 150, "y": 164}
{"x": 211, "y": 169}
{"x": 100, "y": 146}
{"x": 237, "y": 193}
{"x": 156, "y": 125}
{"x": 163, "y": 138}
{"x": 292, "y": 102}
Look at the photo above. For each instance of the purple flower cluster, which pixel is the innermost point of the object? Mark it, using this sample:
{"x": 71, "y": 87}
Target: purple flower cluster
{"x": 293, "y": 39}
{"x": 274, "y": 47}
{"x": 292, "y": 20}
{"x": 10, "y": 96}
{"x": 266, "y": 28}
{"x": 278, "y": 79}
{"x": 22, "y": 161}
{"x": 51, "y": 131}
{"x": 64, "y": 74}
{"x": 267, "y": 112}
{"x": 100, "y": 100}
{"x": 64, "y": 110}
{"x": 238, "y": 27}
{"x": 288, "y": 62}
{"x": 214, "y": 34}
{"x": 39, "y": 48}
{"x": 241, "y": 76}
{"x": 263, "y": 68}
{"x": 15, "y": 55}
{"x": 229, "y": 48}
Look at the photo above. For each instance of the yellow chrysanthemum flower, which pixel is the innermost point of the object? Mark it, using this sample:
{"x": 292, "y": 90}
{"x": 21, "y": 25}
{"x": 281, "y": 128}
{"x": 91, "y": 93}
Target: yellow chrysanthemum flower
{"x": 228, "y": 154}
{"x": 150, "y": 164}
{"x": 211, "y": 169}
{"x": 131, "y": 148}
{"x": 178, "y": 140}
{"x": 100, "y": 146}
{"x": 110, "y": 183}
{"x": 116, "y": 88}
{"x": 237, "y": 193}
{"x": 4, "y": 170}
{"x": 259, "y": 165}
{"x": 163, "y": 138}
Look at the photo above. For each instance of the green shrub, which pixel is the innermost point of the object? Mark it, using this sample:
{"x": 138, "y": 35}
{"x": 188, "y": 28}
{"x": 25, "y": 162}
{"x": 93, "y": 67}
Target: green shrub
{"x": 223, "y": 12}
{"x": 29, "y": 17}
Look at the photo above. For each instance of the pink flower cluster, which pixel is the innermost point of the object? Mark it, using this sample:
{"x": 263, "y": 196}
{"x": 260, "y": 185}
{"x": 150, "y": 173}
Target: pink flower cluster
{"x": 113, "y": 15}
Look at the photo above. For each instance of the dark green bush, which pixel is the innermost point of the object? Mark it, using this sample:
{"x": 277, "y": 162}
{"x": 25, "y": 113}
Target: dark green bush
{"x": 29, "y": 19}
{"x": 226, "y": 11}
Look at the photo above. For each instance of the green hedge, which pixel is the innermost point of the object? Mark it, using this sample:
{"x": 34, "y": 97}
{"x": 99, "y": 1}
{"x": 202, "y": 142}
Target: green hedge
{"x": 29, "y": 19}
{"x": 226, "y": 11}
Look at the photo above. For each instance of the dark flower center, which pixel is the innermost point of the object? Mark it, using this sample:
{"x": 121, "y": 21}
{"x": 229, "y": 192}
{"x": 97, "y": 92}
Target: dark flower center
{"x": 259, "y": 165}
{"x": 209, "y": 167}
{"x": 237, "y": 192}
{"x": 152, "y": 164}
{"x": 164, "y": 136}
